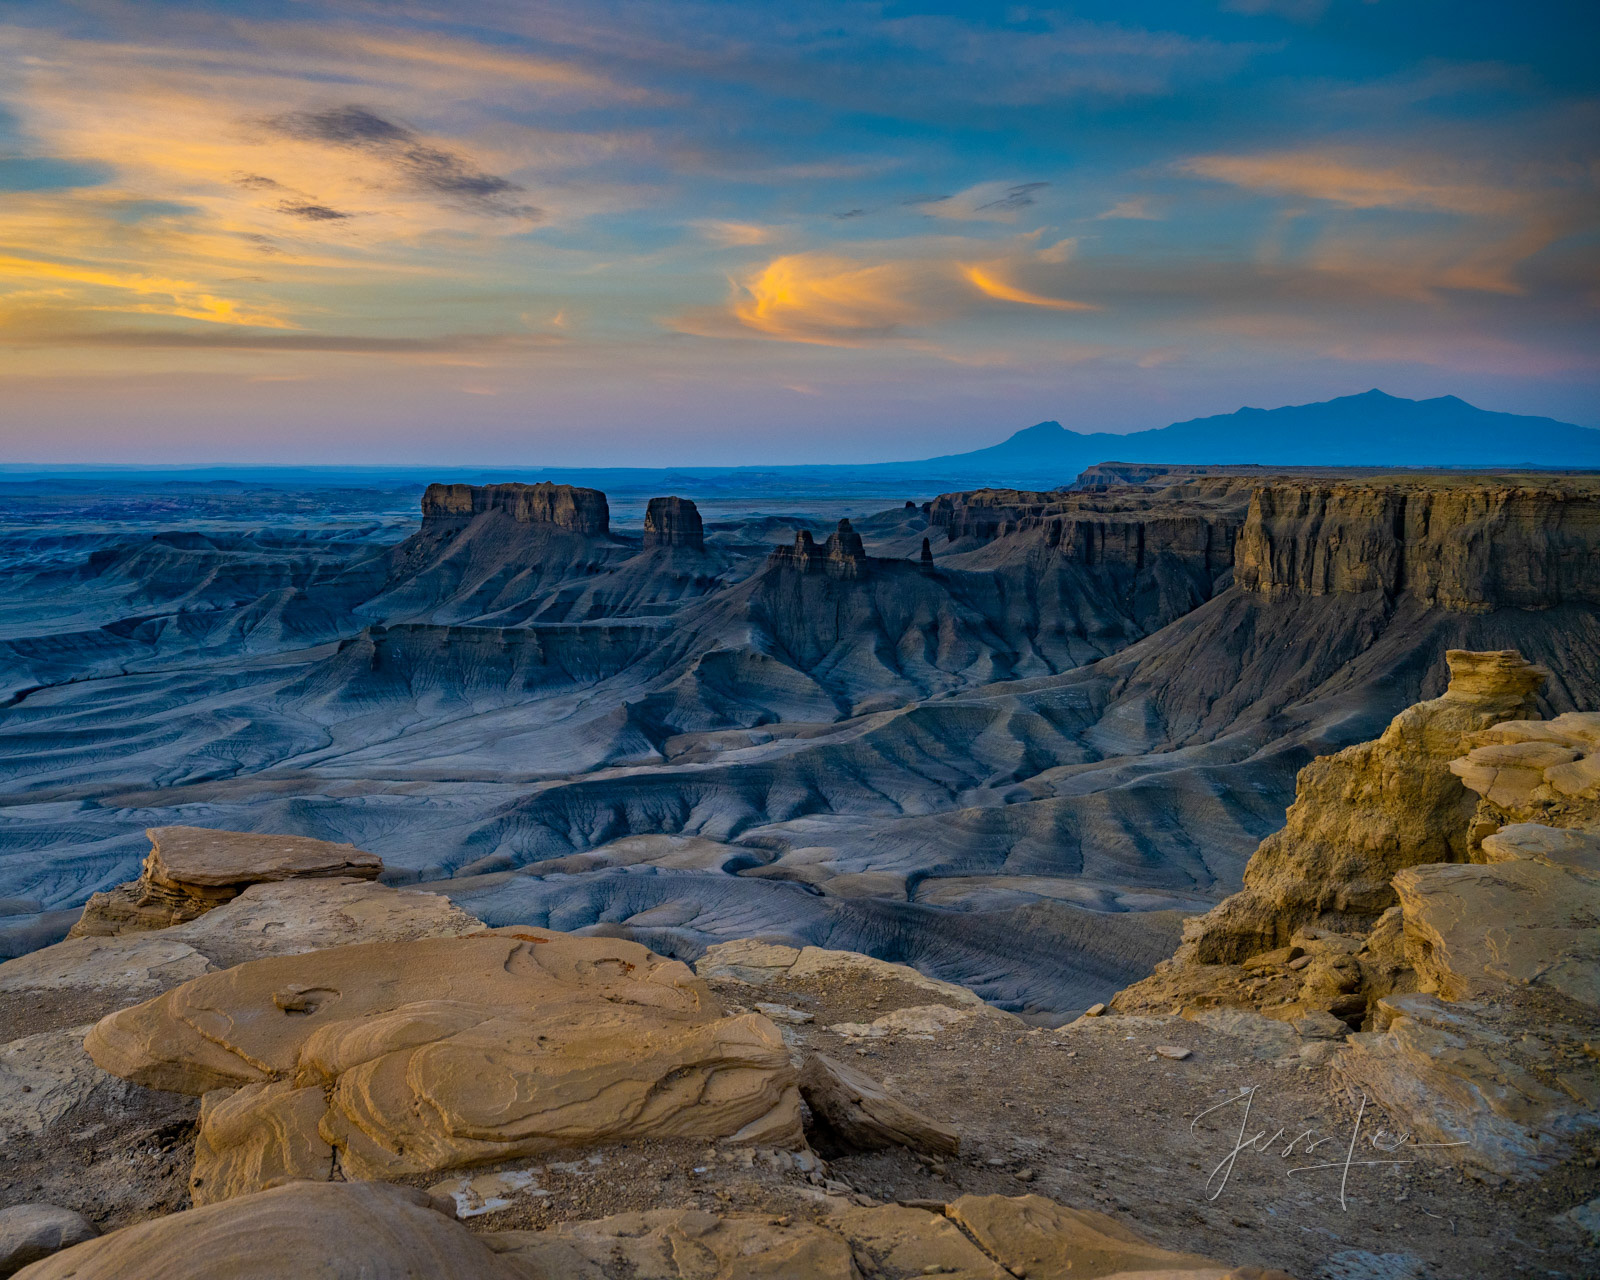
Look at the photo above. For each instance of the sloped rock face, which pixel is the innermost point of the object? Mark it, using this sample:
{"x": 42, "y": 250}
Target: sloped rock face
{"x": 306, "y": 1229}
{"x": 673, "y": 522}
{"x": 564, "y": 506}
{"x": 190, "y": 870}
{"x": 1466, "y": 545}
{"x": 427, "y": 1055}
{"x": 1506, "y": 1090}
{"x": 1364, "y": 814}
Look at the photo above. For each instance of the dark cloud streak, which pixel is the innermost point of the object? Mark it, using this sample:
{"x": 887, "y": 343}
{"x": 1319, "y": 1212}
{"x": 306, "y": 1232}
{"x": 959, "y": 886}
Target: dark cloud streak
{"x": 427, "y": 167}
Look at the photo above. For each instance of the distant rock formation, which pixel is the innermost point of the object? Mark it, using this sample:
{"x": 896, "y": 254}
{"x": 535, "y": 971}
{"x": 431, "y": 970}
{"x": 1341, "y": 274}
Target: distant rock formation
{"x": 927, "y": 554}
{"x": 564, "y": 506}
{"x": 673, "y": 522}
{"x": 842, "y": 556}
{"x": 1465, "y": 544}
{"x": 190, "y": 870}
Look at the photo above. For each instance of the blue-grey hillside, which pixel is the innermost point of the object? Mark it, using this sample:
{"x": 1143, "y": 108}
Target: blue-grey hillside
{"x": 1009, "y": 737}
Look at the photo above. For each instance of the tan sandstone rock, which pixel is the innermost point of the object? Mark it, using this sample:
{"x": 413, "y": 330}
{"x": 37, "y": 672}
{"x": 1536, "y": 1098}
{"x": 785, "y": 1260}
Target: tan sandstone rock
{"x": 310, "y": 1230}
{"x": 1464, "y": 1074}
{"x": 854, "y": 1112}
{"x": 445, "y": 1052}
{"x": 190, "y": 870}
{"x": 1324, "y": 882}
{"x": 1038, "y": 1238}
{"x": 978, "y": 1238}
{"x": 1472, "y": 929}
{"x": 758, "y": 963}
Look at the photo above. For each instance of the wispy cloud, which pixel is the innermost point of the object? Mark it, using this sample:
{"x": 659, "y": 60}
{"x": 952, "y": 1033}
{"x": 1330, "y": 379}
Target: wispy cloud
{"x": 425, "y": 166}
{"x": 986, "y": 202}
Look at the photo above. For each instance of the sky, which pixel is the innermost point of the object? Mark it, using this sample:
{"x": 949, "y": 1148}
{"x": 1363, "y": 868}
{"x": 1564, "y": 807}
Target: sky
{"x": 663, "y": 232}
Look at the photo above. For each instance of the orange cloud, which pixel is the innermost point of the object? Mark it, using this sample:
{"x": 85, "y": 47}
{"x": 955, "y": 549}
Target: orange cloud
{"x": 985, "y": 283}
{"x": 184, "y": 297}
{"x": 1342, "y": 179}
{"x": 813, "y": 297}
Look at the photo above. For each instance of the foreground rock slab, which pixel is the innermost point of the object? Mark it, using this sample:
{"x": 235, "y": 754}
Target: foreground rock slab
{"x": 190, "y": 870}
{"x": 856, "y": 1113}
{"x": 29, "y": 1232}
{"x": 399, "y": 1058}
{"x": 309, "y": 1230}
{"x": 377, "y": 1231}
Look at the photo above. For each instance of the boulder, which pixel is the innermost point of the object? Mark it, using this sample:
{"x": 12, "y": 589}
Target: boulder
{"x": 444, "y": 1052}
{"x": 1468, "y": 1075}
{"x": 1473, "y": 929}
{"x": 758, "y": 963}
{"x": 46, "y": 1077}
{"x": 190, "y": 870}
{"x": 853, "y": 1112}
{"x": 29, "y": 1232}
{"x": 308, "y": 1230}
{"x": 673, "y": 522}
{"x": 1574, "y": 850}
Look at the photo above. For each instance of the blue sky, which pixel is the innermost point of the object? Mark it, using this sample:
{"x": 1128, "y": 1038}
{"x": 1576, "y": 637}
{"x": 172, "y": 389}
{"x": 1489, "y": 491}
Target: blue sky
{"x": 666, "y": 232}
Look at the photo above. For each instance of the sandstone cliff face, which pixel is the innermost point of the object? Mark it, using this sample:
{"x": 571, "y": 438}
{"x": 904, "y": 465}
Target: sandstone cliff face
{"x": 673, "y": 522}
{"x": 1364, "y": 814}
{"x": 565, "y": 506}
{"x": 1465, "y": 545}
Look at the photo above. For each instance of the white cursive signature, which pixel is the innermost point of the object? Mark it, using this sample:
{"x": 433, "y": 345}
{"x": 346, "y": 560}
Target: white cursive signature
{"x": 1381, "y": 1140}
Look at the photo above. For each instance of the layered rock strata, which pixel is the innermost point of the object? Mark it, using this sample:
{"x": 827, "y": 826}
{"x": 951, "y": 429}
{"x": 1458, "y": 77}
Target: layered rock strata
{"x": 1467, "y": 545}
{"x": 562, "y": 506}
{"x": 190, "y": 870}
{"x": 673, "y": 522}
{"x": 403, "y": 1058}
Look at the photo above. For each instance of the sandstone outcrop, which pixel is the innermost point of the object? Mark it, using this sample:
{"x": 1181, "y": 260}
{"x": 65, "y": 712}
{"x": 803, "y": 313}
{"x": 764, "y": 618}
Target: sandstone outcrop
{"x": 1504, "y": 1090}
{"x": 190, "y": 870}
{"x": 1466, "y": 544}
{"x": 408, "y": 1057}
{"x": 975, "y": 1238}
{"x": 854, "y": 1112}
{"x": 563, "y": 506}
{"x": 758, "y": 963}
{"x": 1535, "y": 771}
{"x": 673, "y": 522}
{"x": 1479, "y": 988}
{"x": 379, "y": 1231}
{"x": 1308, "y": 931}
{"x": 320, "y": 1231}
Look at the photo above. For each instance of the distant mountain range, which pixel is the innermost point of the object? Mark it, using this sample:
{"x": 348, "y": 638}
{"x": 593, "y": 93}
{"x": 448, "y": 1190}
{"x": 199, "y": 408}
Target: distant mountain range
{"x": 1372, "y": 429}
